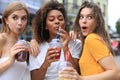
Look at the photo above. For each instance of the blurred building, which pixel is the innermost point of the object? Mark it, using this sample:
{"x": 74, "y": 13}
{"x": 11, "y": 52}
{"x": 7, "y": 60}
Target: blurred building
{"x": 72, "y": 7}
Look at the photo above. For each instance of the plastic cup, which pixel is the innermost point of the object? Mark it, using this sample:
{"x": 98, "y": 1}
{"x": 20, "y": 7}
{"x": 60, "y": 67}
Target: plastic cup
{"x": 61, "y": 66}
{"x": 22, "y": 55}
{"x": 56, "y": 44}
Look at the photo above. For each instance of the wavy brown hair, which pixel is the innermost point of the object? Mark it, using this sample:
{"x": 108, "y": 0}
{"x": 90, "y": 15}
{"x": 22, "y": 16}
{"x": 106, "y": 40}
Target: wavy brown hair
{"x": 100, "y": 27}
{"x": 12, "y": 7}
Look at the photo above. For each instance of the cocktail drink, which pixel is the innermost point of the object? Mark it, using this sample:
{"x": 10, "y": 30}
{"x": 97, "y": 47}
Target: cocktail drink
{"x": 59, "y": 51}
{"x": 22, "y": 55}
{"x": 57, "y": 45}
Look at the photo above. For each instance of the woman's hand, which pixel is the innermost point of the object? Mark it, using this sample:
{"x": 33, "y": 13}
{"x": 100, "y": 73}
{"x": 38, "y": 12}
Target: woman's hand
{"x": 69, "y": 73}
{"x": 14, "y": 50}
{"x": 64, "y": 38}
{"x": 73, "y": 35}
{"x": 50, "y": 56}
{"x": 34, "y": 47}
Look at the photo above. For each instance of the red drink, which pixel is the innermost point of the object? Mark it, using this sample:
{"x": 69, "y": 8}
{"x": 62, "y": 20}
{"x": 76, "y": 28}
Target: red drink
{"x": 59, "y": 52}
{"x": 22, "y": 55}
{"x": 55, "y": 43}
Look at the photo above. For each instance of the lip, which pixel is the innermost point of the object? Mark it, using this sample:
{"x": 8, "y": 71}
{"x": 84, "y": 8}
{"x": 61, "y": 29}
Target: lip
{"x": 57, "y": 27}
{"x": 84, "y": 28}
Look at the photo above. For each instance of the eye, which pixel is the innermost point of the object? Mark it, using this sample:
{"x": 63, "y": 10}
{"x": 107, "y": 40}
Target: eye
{"x": 61, "y": 18}
{"x": 89, "y": 17}
{"x": 24, "y": 18}
{"x": 14, "y": 17}
{"x": 51, "y": 19}
{"x": 81, "y": 17}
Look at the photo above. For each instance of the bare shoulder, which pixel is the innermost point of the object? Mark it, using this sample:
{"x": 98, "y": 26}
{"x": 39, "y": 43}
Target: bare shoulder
{"x": 2, "y": 39}
{"x": 2, "y": 42}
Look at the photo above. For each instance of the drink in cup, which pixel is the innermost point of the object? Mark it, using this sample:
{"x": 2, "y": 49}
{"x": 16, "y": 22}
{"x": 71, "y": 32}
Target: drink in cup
{"x": 56, "y": 44}
{"x": 61, "y": 66}
{"x": 22, "y": 55}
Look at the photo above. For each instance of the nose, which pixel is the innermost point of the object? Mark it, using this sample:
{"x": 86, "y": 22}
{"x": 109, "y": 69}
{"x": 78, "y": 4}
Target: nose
{"x": 84, "y": 20}
{"x": 57, "y": 21}
{"x": 19, "y": 21}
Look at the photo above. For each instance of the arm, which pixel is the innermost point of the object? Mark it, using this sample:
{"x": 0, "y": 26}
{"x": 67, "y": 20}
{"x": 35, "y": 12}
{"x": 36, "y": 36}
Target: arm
{"x": 111, "y": 71}
{"x": 34, "y": 47}
{"x": 4, "y": 65}
{"x": 65, "y": 40}
{"x": 39, "y": 74}
{"x": 14, "y": 50}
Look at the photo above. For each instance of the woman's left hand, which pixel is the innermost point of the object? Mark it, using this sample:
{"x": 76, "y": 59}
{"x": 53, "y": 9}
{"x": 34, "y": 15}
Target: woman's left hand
{"x": 34, "y": 48}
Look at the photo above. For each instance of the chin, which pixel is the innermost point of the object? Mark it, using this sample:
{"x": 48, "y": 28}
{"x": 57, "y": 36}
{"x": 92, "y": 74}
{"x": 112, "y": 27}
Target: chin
{"x": 84, "y": 34}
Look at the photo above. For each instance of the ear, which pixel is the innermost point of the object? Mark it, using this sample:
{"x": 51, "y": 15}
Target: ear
{"x": 6, "y": 20}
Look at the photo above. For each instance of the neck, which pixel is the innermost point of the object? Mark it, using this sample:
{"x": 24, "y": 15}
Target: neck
{"x": 12, "y": 37}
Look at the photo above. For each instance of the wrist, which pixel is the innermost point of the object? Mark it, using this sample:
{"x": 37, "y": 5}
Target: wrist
{"x": 67, "y": 54}
{"x": 65, "y": 49}
{"x": 11, "y": 61}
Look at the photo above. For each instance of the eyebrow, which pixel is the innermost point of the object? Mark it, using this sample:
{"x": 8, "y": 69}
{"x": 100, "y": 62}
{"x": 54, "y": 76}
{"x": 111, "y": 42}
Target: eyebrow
{"x": 20, "y": 15}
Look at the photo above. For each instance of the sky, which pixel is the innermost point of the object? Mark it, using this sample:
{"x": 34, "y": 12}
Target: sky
{"x": 113, "y": 12}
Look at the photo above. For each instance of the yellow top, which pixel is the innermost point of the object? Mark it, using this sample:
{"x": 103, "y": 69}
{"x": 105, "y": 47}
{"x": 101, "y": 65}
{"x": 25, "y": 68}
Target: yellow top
{"x": 94, "y": 49}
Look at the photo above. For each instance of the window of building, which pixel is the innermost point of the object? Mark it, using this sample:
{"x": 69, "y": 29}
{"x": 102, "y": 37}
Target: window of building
{"x": 104, "y": 9}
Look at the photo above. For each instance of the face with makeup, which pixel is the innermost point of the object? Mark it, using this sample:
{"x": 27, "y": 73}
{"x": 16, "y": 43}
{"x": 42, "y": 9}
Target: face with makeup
{"x": 54, "y": 21}
{"x": 87, "y": 21}
{"x": 17, "y": 21}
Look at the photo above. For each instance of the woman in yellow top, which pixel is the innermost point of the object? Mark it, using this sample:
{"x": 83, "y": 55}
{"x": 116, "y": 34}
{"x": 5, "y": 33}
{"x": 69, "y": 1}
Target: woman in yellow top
{"x": 96, "y": 61}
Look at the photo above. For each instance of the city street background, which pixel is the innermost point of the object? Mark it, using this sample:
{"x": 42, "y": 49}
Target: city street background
{"x": 109, "y": 8}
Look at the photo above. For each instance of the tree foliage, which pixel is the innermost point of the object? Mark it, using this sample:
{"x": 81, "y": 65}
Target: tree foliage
{"x": 118, "y": 26}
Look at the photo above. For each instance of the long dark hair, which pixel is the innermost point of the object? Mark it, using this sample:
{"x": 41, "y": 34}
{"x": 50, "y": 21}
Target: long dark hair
{"x": 100, "y": 27}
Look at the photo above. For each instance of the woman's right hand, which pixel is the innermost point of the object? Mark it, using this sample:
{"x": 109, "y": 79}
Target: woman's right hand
{"x": 69, "y": 73}
{"x": 51, "y": 53}
{"x": 14, "y": 50}
{"x": 73, "y": 35}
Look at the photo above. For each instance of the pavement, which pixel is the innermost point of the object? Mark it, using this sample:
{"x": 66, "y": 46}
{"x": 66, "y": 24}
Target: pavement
{"x": 27, "y": 73}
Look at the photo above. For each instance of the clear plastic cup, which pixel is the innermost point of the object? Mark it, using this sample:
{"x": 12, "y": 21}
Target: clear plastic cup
{"x": 56, "y": 44}
{"x": 61, "y": 66}
{"x": 22, "y": 55}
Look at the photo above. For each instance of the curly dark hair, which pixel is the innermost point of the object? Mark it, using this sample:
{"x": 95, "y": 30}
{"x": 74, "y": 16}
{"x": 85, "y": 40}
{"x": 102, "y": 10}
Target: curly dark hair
{"x": 39, "y": 20}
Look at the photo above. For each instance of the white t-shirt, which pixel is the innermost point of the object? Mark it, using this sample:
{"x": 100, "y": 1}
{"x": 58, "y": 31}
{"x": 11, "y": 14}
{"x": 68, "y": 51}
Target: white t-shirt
{"x": 52, "y": 72}
{"x": 15, "y": 72}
